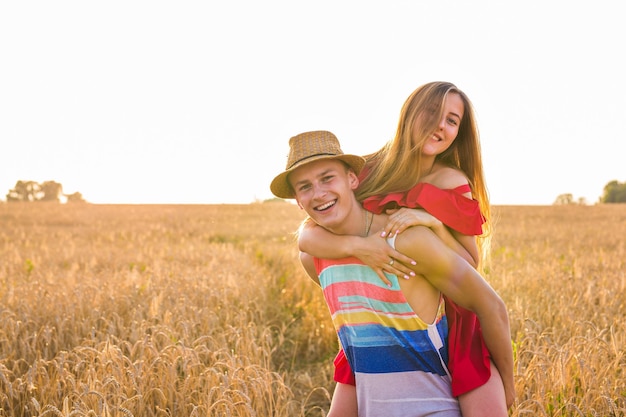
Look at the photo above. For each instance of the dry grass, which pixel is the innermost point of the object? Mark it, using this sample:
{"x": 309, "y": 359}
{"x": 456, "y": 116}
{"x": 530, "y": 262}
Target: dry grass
{"x": 204, "y": 311}
{"x": 562, "y": 273}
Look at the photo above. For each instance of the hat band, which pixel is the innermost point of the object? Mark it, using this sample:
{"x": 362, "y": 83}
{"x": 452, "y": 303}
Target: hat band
{"x": 311, "y": 156}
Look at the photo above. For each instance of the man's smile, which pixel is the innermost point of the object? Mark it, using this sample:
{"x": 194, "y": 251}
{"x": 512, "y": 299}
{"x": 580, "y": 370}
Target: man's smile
{"x": 325, "y": 206}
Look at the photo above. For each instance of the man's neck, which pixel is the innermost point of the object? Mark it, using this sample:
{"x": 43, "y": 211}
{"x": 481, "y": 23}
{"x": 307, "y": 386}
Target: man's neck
{"x": 359, "y": 223}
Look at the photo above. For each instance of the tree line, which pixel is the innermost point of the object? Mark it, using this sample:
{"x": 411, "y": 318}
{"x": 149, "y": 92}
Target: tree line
{"x": 30, "y": 191}
{"x": 614, "y": 192}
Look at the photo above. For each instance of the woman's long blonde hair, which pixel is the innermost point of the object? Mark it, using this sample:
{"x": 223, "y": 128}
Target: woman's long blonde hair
{"x": 396, "y": 166}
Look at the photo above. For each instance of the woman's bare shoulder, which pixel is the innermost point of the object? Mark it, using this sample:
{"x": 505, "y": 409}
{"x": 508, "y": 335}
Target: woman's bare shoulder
{"x": 446, "y": 177}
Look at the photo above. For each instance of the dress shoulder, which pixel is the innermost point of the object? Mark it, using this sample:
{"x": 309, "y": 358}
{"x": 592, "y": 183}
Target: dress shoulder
{"x": 450, "y": 206}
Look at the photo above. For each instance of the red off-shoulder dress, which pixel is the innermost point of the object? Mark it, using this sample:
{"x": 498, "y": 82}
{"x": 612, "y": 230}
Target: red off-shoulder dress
{"x": 468, "y": 356}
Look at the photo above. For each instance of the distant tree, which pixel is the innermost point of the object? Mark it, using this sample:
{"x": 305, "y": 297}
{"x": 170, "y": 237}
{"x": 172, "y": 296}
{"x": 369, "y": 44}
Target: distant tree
{"x": 75, "y": 198}
{"x": 52, "y": 191}
{"x": 564, "y": 199}
{"x": 614, "y": 192}
{"x": 47, "y": 191}
{"x": 25, "y": 191}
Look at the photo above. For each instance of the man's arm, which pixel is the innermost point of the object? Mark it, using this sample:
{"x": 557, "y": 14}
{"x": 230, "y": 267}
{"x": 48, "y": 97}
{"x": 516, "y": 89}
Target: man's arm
{"x": 309, "y": 266}
{"x": 317, "y": 241}
{"x": 459, "y": 281}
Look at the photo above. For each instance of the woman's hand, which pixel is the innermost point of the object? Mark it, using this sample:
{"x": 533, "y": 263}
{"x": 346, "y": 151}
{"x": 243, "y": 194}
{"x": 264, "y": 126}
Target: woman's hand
{"x": 378, "y": 255}
{"x": 403, "y": 218}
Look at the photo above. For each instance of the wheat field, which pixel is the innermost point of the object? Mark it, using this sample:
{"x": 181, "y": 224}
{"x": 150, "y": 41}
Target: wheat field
{"x": 203, "y": 310}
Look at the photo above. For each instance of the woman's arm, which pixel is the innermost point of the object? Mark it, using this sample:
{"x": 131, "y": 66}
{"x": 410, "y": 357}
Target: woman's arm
{"x": 454, "y": 277}
{"x": 372, "y": 251}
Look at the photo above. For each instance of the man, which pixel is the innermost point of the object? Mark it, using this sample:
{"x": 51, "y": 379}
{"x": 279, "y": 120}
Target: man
{"x": 395, "y": 338}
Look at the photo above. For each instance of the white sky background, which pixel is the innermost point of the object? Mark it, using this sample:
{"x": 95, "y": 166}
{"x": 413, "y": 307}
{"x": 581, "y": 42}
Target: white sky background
{"x": 194, "y": 102}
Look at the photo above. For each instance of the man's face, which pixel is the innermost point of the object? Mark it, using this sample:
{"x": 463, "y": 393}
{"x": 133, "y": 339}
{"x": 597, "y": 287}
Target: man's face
{"x": 325, "y": 190}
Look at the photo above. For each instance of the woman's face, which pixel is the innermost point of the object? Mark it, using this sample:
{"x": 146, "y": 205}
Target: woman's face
{"x": 447, "y": 128}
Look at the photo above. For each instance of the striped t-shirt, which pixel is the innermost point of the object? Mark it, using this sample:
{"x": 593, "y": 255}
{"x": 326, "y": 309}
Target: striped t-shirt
{"x": 399, "y": 361}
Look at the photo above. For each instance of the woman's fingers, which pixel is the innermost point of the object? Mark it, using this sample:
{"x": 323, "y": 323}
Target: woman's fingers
{"x": 396, "y": 269}
{"x": 397, "y": 264}
{"x": 400, "y": 271}
{"x": 398, "y": 221}
{"x": 404, "y": 218}
{"x": 383, "y": 277}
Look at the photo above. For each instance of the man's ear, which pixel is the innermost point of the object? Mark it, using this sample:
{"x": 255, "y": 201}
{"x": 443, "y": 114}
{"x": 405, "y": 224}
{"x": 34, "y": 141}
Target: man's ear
{"x": 354, "y": 180}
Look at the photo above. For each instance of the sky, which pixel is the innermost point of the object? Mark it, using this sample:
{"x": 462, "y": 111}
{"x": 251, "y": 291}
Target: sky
{"x": 193, "y": 102}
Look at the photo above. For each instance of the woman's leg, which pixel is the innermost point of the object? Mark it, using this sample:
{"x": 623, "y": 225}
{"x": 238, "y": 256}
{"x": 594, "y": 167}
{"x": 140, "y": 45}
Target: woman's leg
{"x": 343, "y": 403}
{"x": 487, "y": 400}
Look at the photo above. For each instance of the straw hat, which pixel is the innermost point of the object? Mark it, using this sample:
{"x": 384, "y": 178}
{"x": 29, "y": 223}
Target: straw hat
{"x": 308, "y": 147}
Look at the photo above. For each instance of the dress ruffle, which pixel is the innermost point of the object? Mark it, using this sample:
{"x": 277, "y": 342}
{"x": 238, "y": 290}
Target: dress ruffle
{"x": 450, "y": 206}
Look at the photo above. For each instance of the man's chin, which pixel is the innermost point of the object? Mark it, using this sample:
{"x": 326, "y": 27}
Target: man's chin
{"x": 322, "y": 221}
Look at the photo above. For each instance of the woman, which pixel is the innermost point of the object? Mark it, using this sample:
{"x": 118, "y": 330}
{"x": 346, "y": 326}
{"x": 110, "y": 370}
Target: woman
{"x": 433, "y": 163}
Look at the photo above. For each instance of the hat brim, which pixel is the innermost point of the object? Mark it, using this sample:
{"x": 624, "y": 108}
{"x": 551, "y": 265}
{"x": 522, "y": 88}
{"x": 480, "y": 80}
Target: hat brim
{"x": 281, "y": 188}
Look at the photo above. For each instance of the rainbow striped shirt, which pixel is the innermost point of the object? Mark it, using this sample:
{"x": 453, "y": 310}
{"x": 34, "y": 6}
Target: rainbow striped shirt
{"x": 399, "y": 361}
